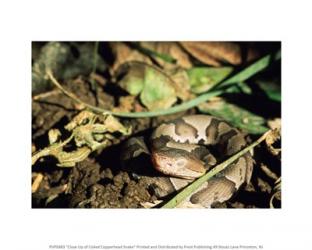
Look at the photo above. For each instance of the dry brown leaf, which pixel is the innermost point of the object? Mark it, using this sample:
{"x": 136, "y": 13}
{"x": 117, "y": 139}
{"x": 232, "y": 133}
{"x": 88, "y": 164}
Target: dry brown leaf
{"x": 123, "y": 53}
{"x": 252, "y": 54}
{"x": 172, "y": 49}
{"x": 139, "y": 108}
{"x": 214, "y": 53}
{"x": 112, "y": 124}
{"x": 275, "y": 123}
{"x": 79, "y": 119}
{"x": 273, "y": 137}
{"x": 126, "y": 104}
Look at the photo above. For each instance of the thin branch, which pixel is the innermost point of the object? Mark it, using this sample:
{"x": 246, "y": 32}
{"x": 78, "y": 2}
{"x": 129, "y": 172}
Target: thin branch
{"x": 46, "y": 94}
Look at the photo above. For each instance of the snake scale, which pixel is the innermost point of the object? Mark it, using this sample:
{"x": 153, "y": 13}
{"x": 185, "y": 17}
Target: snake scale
{"x": 185, "y": 148}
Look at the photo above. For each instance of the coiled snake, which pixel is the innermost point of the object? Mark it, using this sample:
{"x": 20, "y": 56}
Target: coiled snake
{"x": 182, "y": 149}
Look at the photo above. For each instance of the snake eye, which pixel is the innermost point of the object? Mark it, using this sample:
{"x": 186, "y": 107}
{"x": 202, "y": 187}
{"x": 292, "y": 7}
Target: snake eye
{"x": 181, "y": 162}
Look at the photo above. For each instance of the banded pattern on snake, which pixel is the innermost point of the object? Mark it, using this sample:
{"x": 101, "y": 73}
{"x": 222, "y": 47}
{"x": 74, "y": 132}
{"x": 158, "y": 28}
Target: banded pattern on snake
{"x": 185, "y": 148}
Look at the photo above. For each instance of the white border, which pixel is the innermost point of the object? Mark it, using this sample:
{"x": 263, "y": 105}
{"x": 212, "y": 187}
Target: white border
{"x": 24, "y": 21}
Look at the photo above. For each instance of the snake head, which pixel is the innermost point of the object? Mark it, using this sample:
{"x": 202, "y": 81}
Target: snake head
{"x": 180, "y": 165}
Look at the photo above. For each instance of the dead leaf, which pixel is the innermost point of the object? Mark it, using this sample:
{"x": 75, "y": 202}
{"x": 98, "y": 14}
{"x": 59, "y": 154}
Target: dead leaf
{"x": 126, "y": 104}
{"x": 274, "y": 136}
{"x": 214, "y": 53}
{"x": 93, "y": 130}
{"x": 54, "y": 135}
{"x": 89, "y": 131}
{"x": 172, "y": 49}
{"x": 112, "y": 124}
{"x": 123, "y": 53}
{"x": 81, "y": 118}
{"x": 275, "y": 123}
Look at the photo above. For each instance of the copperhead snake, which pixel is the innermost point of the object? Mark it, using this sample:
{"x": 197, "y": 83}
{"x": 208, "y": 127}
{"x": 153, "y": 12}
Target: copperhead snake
{"x": 185, "y": 148}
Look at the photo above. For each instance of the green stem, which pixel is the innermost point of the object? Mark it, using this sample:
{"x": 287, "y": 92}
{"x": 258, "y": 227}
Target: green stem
{"x": 251, "y": 70}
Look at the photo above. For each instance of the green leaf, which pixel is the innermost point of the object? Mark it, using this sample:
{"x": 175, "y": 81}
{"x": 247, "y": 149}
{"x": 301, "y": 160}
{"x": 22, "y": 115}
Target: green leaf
{"x": 240, "y": 87}
{"x": 204, "y": 78}
{"x": 133, "y": 81}
{"x": 154, "y": 87}
{"x": 235, "y": 115}
{"x": 158, "y": 92}
{"x": 244, "y": 88}
{"x": 271, "y": 89}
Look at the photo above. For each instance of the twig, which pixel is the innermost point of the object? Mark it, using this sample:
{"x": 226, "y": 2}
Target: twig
{"x": 36, "y": 183}
{"x": 268, "y": 172}
{"x": 46, "y": 94}
{"x": 184, "y": 193}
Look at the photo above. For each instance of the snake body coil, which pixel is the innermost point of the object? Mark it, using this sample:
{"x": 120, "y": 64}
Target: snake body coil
{"x": 181, "y": 149}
